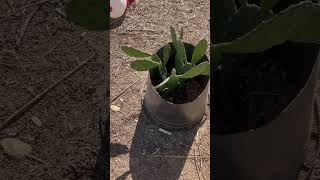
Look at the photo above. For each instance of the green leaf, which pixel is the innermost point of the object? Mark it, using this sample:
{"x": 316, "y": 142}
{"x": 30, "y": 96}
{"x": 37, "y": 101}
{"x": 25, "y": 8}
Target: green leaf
{"x": 155, "y": 58}
{"x": 203, "y": 68}
{"x": 143, "y": 65}
{"x": 298, "y": 23}
{"x": 181, "y": 56}
{"x": 130, "y": 51}
{"x": 173, "y": 35}
{"x": 267, "y": 5}
{"x": 181, "y": 34}
{"x": 163, "y": 71}
{"x": 166, "y": 54}
{"x": 246, "y": 19}
{"x": 170, "y": 83}
{"x": 199, "y": 51}
{"x": 187, "y": 67}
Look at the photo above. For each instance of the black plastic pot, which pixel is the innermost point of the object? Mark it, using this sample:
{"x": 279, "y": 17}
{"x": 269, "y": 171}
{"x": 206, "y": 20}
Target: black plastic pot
{"x": 274, "y": 151}
{"x": 175, "y": 116}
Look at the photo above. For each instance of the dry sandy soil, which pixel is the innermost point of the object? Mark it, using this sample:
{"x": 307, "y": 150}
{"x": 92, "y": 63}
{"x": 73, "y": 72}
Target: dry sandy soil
{"x": 138, "y": 150}
{"x": 66, "y": 144}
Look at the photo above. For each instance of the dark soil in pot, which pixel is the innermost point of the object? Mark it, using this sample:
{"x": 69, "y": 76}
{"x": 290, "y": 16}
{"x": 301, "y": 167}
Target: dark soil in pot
{"x": 251, "y": 90}
{"x": 190, "y": 89}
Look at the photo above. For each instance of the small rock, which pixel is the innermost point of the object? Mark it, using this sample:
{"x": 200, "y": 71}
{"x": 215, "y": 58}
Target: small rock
{"x": 115, "y": 108}
{"x": 165, "y": 132}
{"x": 121, "y": 99}
{"x": 36, "y": 121}
{"x": 83, "y": 34}
{"x": 15, "y": 147}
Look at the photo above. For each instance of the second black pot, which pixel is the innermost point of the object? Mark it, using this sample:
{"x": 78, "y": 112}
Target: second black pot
{"x": 275, "y": 151}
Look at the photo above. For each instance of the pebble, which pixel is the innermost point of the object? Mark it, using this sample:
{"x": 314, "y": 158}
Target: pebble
{"x": 115, "y": 108}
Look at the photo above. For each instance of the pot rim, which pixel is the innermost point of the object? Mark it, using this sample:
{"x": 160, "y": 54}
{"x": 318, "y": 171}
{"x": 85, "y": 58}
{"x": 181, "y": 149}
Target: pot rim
{"x": 315, "y": 66}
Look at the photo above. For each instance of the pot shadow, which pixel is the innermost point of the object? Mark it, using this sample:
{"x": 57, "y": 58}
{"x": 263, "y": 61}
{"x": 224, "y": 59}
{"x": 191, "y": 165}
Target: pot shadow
{"x": 115, "y": 23}
{"x": 117, "y": 149}
{"x": 156, "y": 155}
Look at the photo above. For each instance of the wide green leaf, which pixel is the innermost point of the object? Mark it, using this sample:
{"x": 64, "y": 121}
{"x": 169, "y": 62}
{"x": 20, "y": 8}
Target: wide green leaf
{"x": 245, "y": 20}
{"x": 130, "y": 51}
{"x": 203, "y": 68}
{"x": 166, "y": 54}
{"x": 298, "y": 23}
{"x": 199, "y": 51}
{"x": 143, "y": 65}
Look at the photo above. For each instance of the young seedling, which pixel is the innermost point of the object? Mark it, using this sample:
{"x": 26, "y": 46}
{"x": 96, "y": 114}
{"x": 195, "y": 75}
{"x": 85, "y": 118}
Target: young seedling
{"x": 183, "y": 69}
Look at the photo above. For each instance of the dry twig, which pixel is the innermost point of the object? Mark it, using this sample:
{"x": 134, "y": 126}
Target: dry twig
{"x": 25, "y": 25}
{"x": 124, "y": 90}
{"x": 21, "y": 8}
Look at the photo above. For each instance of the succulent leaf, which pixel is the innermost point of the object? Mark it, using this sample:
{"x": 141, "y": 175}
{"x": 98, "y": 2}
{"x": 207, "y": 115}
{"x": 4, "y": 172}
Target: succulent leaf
{"x": 163, "y": 71}
{"x": 173, "y": 35}
{"x": 155, "y": 58}
{"x": 170, "y": 83}
{"x": 246, "y": 19}
{"x": 166, "y": 54}
{"x": 181, "y": 34}
{"x": 144, "y": 65}
{"x": 130, "y": 51}
{"x": 202, "y": 68}
{"x": 199, "y": 51}
{"x": 181, "y": 56}
{"x": 187, "y": 67}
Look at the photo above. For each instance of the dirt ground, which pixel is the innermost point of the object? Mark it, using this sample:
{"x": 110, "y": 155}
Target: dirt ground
{"x": 138, "y": 149}
{"x": 66, "y": 143}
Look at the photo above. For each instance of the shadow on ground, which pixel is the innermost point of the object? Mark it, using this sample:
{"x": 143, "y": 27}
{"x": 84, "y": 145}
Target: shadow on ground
{"x": 117, "y": 149}
{"x": 156, "y": 155}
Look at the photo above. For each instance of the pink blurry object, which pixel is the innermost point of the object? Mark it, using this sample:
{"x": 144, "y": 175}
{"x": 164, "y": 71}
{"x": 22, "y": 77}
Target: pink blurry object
{"x": 119, "y": 7}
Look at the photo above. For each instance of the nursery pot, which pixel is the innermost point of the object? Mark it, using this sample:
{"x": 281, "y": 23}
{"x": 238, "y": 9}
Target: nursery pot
{"x": 175, "y": 116}
{"x": 275, "y": 151}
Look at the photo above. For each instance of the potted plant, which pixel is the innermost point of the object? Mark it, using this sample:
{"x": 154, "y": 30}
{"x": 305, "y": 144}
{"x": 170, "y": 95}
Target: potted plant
{"x": 178, "y": 81}
{"x": 265, "y": 66}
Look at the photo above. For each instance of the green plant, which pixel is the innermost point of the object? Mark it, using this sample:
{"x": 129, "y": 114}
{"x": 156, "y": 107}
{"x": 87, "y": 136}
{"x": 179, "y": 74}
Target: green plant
{"x": 254, "y": 29}
{"x": 183, "y": 69}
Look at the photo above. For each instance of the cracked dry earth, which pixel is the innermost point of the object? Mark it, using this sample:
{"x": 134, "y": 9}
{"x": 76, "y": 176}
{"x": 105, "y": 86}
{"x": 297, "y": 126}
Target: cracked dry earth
{"x": 66, "y": 141}
{"x": 138, "y": 150}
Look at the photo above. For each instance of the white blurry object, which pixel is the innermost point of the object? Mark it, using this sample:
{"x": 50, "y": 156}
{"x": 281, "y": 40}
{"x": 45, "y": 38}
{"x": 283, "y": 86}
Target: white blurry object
{"x": 118, "y": 8}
